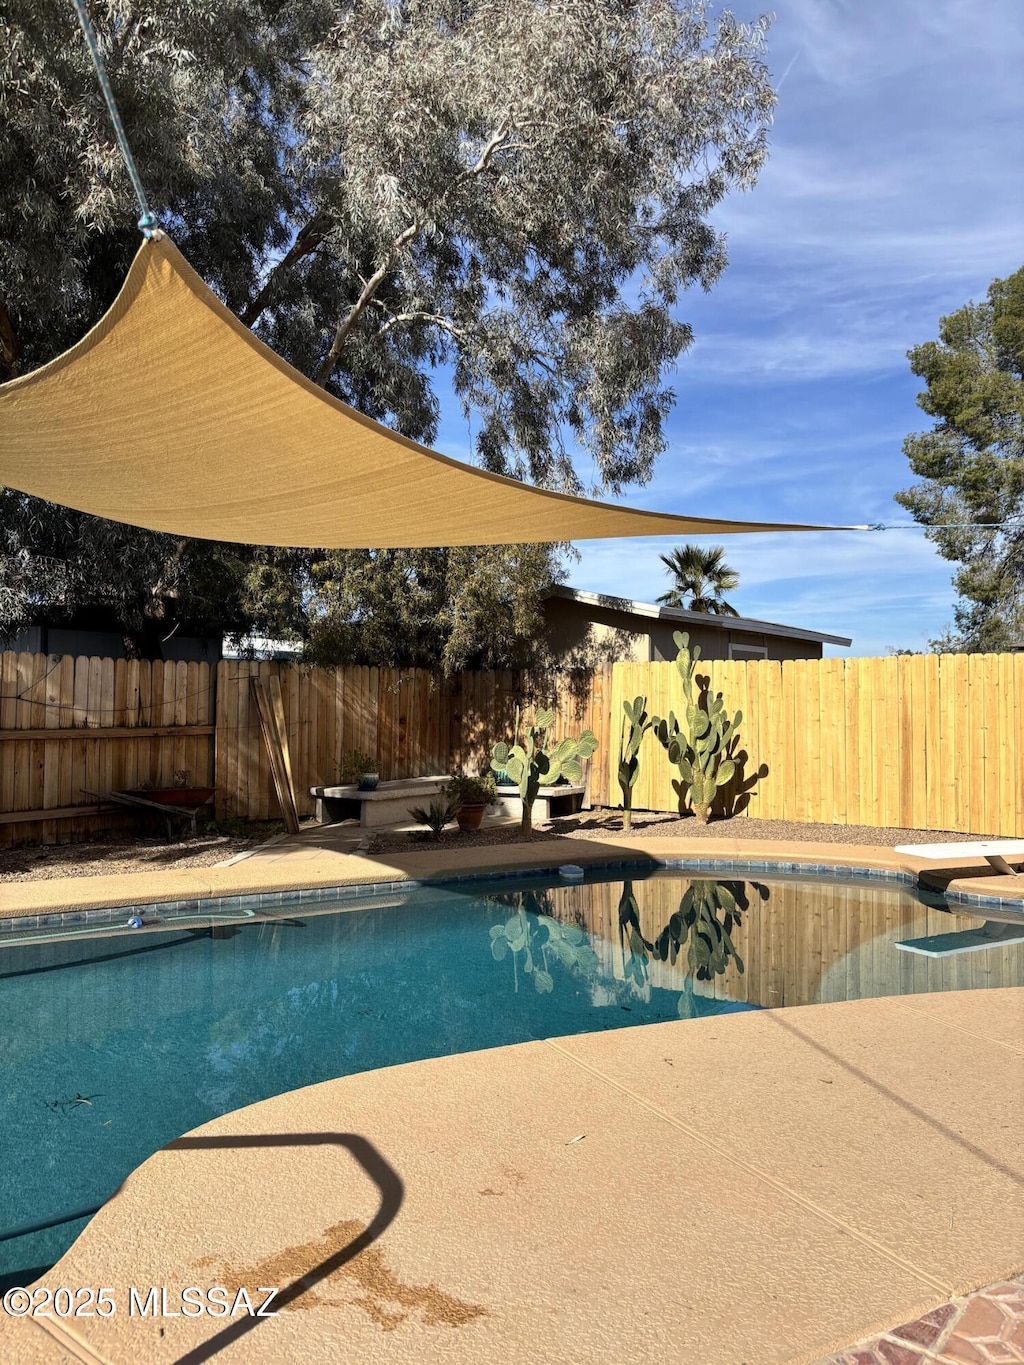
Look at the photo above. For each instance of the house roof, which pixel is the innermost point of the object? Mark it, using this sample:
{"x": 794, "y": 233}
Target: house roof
{"x": 709, "y": 620}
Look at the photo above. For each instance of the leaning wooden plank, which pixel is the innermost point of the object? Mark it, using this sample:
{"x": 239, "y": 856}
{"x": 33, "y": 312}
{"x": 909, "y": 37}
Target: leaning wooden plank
{"x": 267, "y": 752}
{"x": 268, "y": 728}
{"x": 281, "y": 727}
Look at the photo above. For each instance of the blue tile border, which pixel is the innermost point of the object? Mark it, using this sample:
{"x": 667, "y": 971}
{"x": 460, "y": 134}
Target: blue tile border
{"x": 264, "y": 904}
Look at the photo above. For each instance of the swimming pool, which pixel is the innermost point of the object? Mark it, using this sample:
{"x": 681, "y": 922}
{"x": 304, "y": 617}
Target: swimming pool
{"x": 113, "y": 1043}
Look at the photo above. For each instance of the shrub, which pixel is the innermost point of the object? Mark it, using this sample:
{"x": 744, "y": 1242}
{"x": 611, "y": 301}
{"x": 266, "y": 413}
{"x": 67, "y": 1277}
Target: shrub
{"x": 472, "y": 791}
{"x": 437, "y": 814}
{"x": 354, "y": 765}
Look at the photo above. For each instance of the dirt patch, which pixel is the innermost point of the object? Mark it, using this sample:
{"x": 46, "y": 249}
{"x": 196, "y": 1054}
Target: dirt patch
{"x": 603, "y": 822}
{"x": 116, "y": 853}
{"x": 386, "y": 1299}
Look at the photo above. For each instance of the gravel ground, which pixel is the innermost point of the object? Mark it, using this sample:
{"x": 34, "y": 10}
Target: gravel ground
{"x": 602, "y": 823}
{"x": 118, "y": 853}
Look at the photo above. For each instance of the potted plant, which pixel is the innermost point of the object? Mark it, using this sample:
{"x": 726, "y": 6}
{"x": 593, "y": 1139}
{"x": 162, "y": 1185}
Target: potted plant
{"x": 359, "y": 768}
{"x": 474, "y": 795}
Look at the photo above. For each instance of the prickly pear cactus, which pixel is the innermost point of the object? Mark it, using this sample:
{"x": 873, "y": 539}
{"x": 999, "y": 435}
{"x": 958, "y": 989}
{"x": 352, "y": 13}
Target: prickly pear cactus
{"x": 703, "y": 750}
{"x": 530, "y": 764}
{"x": 635, "y": 725}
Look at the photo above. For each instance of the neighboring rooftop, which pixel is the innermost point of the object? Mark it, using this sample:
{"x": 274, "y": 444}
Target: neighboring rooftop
{"x": 702, "y": 618}
{"x": 578, "y": 622}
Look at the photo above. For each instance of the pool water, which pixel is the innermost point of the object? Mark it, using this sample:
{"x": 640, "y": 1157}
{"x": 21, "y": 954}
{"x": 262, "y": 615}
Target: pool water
{"x": 112, "y": 1044}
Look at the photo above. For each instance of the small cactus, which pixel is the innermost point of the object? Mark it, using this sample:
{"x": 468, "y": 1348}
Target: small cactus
{"x": 529, "y": 764}
{"x": 703, "y": 751}
{"x": 629, "y": 749}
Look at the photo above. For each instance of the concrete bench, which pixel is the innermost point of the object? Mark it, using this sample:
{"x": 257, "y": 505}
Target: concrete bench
{"x": 551, "y": 802}
{"x": 387, "y": 804}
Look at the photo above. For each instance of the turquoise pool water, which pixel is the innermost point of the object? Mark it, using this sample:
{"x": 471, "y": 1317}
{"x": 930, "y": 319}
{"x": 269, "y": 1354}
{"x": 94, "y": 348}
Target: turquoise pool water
{"x": 112, "y": 1044}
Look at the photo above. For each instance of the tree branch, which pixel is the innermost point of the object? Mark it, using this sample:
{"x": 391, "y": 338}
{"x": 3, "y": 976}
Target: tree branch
{"x": 307, "y": 241}
{"x": 494, "y": 144}
{"x": 447, "y": 325}
{"x": 359, "y": 307}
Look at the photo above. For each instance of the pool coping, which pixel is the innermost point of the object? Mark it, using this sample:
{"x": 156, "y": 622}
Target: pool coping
{"x": 936, "y": 1072}
{"x": 253, "y": 888}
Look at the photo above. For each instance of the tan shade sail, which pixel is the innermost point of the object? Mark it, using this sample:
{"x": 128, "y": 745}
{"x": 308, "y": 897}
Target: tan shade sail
{"x": 171, "y": 415}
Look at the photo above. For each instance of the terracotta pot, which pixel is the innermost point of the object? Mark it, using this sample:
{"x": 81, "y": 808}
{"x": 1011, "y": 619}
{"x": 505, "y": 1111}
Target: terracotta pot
{"x": 470, "y": 817}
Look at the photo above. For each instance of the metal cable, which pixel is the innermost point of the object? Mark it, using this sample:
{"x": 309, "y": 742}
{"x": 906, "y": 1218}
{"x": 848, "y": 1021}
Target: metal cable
{"x": 147, "y": 221}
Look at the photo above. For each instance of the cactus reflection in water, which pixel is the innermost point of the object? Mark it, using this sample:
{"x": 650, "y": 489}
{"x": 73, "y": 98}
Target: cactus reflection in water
{"x": 533, "y": 937}
{"x": 537, "y": 940}
{"x": 708, "y": 914}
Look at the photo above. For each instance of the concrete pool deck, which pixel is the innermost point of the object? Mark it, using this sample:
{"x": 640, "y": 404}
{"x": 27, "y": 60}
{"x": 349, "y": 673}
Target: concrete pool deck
{"x": 753, "y": 1189}
{"x": 321, "y": 856}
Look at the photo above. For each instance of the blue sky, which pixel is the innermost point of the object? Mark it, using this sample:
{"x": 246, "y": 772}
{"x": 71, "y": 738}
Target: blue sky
{"x": 894, "y": 192}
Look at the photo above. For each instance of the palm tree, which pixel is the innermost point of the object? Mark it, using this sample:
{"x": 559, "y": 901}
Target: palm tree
{"x": 703, "y": 576}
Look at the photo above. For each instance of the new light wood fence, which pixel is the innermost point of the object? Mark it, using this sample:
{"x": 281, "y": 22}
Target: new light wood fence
{"x": 933, "y": 741}
{"x": 924, "y": 741}
{"x": 71, "y": 725}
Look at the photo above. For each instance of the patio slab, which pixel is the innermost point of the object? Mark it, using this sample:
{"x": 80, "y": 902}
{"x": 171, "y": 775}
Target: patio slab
{"x": 760, "y": 1189}
{"x": 314, "y": 858}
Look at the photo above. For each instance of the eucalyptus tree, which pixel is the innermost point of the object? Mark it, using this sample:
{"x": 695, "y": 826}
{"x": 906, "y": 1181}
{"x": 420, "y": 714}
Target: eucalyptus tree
{"x": 700, "y": 578}
{"x": 503, "y": 202}
{"x": 970, "y": 465}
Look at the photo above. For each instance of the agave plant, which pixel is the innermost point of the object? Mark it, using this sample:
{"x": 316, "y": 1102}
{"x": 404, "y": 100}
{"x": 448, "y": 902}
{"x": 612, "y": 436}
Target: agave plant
{"x": 440, "y": 812}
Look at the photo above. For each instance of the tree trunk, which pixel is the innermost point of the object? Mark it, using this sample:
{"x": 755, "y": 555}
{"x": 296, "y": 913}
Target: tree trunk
{"x": 627, "y": 819}
{"x": 526, "y": 825}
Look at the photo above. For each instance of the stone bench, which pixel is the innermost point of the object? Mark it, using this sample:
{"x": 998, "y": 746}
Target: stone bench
{"x": 564, "y": 799}
{"x": 387, "y": 804}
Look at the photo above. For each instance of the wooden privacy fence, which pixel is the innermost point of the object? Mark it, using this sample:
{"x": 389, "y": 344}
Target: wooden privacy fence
{"x": 70, "y": 723}
{"x": 414, "y": 723}
{"x": 922, "y": 741}
{"x": 930, "y": 741}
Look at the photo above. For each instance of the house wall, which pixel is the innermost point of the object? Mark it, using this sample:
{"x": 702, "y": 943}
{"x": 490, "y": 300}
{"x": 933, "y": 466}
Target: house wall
{"x": 106, "y": 644}
{"x": 570, "y": 625}
{"x": 610, "y": 635}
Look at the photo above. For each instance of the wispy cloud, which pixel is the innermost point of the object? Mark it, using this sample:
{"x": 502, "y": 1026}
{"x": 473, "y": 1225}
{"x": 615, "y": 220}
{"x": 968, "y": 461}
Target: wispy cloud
{"x": 893, "y": 193}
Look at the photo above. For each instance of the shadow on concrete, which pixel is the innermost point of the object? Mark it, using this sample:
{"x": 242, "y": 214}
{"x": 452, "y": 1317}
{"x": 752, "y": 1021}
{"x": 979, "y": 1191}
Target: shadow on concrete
{"x": 939, "y": 878}
{"x": 374, "y": 1165}
{"x": 948, "y": 1133}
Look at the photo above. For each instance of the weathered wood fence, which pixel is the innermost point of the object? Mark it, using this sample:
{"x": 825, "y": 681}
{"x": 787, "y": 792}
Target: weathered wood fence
{"x": 923, "y": 741}
{"x": 414, "y": 722}
{"x": 70, "y": 725}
